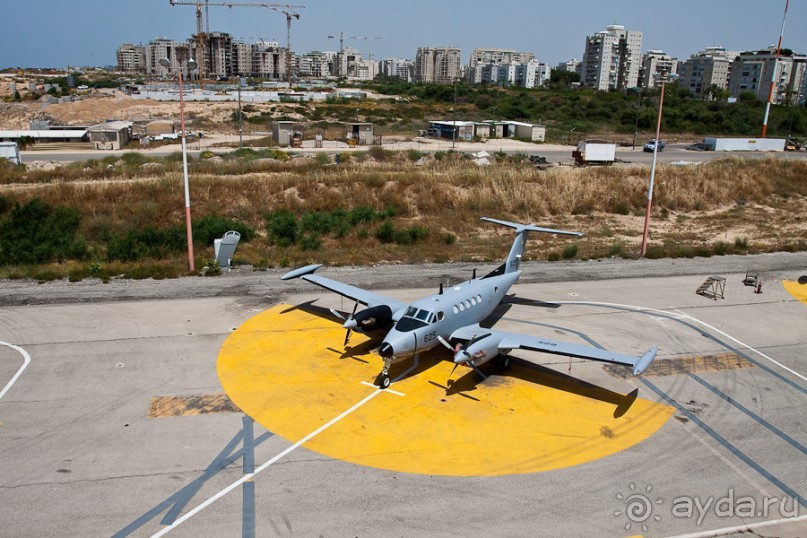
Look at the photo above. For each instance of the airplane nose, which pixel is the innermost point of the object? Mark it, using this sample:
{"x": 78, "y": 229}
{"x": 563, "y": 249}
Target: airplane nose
{"x": 350, "y": 324}
{"x": 385, "y": 350}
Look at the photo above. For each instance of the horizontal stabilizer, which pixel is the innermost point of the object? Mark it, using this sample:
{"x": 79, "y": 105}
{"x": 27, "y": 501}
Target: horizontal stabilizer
{"x": 302, "y": 271}
{"x": 530, "y": 227}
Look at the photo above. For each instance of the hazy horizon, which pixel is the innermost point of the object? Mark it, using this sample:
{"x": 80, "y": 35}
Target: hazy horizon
{"x": 54, "y": 33}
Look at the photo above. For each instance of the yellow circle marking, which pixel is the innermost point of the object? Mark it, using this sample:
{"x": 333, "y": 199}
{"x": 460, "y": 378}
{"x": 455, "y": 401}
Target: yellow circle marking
{"x": 286, "y": 368}
{"x": 799, "y": 291}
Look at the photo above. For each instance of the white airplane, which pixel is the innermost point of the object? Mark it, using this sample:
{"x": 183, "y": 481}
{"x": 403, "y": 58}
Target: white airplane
{"x": 454, "y": 315}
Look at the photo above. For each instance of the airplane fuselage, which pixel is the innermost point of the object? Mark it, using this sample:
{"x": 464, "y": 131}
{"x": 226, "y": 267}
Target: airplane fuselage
{"x": 441, "y": 314}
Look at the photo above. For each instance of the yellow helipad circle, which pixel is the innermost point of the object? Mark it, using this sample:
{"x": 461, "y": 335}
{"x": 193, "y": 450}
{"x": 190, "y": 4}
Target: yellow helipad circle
{"x": 287, "y": 369}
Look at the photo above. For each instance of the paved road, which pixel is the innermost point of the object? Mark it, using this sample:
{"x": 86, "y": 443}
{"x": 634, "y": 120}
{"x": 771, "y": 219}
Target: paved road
{"x": 80, "y": 457}
{"x": 673, "y": 153}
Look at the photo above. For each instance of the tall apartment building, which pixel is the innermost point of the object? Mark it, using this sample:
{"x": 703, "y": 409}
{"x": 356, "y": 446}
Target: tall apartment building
{"x": 269, "y": 60}
{"x": 612, "y": 59}
{"x": 530, "y": 74}
{"x": 752, "y": 71}
{"x": 711, "y": 66}
{"x": 220, "y": 55}
{"x": 440, "y": 65}
{"x": 396, "y": 67}
{"x": 572, "y": 65}
{"x": 178, "y": 53}
{"x": 131, "y": 58}
{"x": 657, "y": 67}
{"x": 317, "y": 63}
{"x": 481, "y": 58}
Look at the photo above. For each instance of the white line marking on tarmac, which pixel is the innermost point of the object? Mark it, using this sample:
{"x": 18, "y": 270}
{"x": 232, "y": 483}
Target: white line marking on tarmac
{"x": 26, "y": 361}
{"x": 741, "y": 528}
{"x": 265, "y": 466}
{"x": 681, "y": 315}
{"x": 395, "y": 392}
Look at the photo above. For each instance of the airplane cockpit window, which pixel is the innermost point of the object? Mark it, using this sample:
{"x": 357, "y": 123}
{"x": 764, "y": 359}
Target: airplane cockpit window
{"x": 414, "y": 318}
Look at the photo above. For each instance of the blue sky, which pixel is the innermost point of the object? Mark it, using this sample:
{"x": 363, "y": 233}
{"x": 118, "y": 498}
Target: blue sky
{"x": 57, "y": 33}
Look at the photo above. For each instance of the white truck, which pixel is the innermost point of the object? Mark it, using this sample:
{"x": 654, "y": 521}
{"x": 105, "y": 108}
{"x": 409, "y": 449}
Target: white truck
{"x": 10, "y": 151}
{"x": 590, "y": 152}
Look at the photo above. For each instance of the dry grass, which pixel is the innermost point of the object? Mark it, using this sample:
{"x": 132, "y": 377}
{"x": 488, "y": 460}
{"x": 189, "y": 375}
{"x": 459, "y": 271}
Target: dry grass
{"x": 725, "y": 200}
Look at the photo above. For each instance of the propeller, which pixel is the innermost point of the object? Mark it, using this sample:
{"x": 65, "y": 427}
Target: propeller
{"x": 461, "y": 349}
{"x": 349, "y": 323}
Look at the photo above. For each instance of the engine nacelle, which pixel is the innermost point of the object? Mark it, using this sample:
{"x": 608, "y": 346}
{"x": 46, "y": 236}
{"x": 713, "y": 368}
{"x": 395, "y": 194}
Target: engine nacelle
{"x": 376, "y": 317}
{"x": 479, "y": 350}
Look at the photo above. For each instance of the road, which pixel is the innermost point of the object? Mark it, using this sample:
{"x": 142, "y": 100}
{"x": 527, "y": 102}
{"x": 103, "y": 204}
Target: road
{"x": 556, "y": 154}
{"x": 98, "y": 434}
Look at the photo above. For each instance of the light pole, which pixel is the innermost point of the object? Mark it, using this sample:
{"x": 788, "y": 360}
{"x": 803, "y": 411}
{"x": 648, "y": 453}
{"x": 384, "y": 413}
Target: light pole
{"x": 653, "y": 169}
{"x": 191, "y": 64}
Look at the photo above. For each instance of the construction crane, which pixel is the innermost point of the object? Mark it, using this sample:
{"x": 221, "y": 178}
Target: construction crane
{"x": 202, "y": 20}
{"x": 341, "y": 37}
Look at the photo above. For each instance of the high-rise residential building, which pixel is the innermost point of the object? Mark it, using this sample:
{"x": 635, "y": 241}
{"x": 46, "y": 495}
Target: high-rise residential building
{"x": 177, "y": 53}
{"x": 269, "y": 60}
{"x": 706, "y": 68}
{"x": 396, "y": 67}
{"x": 317, "y": 63}
{"x": 572, "y": 65}
{"x": 366, "y": 70}
{"x": 440, "y": 65}
{"x": 482, "y": 58}
{"x": 657, "y": 67}
{"x": 131, "y": 58}
{"x": 220, "y": 55}
{"x": 346, "y": 61}
{"x": 752, "y": 72}
{"x": 612, "y": 59}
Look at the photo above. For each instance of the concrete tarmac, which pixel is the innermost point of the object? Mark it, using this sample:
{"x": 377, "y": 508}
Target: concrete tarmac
{"x": 94, "y": 443}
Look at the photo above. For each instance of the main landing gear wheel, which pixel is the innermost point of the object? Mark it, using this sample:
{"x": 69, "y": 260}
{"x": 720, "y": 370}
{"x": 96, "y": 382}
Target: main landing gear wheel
{"x": 503, "y": 362}
{"x": 384, "y": 383}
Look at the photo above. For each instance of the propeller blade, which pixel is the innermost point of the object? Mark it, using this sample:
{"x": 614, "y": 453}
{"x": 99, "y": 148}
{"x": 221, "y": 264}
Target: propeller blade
{"x": 337, "y": 314}
{"x": 348, "y": 325}
{"x": 477, "y": 370}
{"x": 445, "y": 343}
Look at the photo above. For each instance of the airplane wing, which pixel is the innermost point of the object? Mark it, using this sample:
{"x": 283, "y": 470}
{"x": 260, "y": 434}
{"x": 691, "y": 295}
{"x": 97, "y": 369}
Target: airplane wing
{"x": 508, "y": 341}
{"x": 365, "y": 297}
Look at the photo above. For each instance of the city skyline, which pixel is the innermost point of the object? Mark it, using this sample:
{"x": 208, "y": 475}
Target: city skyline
{"x": 89, "y": 32}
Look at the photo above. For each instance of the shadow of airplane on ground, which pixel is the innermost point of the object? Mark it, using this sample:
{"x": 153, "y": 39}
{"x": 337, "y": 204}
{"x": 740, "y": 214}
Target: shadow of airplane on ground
{"x": 524, "y": 370}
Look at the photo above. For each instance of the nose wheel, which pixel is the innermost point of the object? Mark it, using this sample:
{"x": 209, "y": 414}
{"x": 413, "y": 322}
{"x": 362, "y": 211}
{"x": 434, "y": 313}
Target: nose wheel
{"x": 384, "y": 380}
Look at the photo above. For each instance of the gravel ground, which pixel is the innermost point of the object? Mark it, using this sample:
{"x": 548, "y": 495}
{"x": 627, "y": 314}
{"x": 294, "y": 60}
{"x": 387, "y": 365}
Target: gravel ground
{"x": 243, "y": 281}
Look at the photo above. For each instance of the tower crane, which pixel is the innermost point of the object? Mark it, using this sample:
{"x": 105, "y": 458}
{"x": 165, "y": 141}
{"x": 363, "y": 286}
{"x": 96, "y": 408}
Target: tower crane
{"x": 201, "y": 16}
{"x": 341, "y": 37}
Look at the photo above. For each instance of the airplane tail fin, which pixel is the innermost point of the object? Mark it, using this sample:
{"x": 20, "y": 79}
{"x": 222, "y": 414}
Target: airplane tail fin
{"x": 513, "y": 261}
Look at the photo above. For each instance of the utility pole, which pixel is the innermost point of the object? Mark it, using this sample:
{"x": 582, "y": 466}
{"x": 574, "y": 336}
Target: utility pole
{"x": 652, "y": 171}
{"x": 773, "y": 74}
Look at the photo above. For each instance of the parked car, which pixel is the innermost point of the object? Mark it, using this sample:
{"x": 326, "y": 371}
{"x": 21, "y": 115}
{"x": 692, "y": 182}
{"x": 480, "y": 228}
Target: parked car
{"x": 651, "y": 145}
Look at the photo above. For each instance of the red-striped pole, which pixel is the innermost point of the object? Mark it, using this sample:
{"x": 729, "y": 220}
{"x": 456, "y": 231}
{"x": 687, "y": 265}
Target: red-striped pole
{"x": 773, "y": 75}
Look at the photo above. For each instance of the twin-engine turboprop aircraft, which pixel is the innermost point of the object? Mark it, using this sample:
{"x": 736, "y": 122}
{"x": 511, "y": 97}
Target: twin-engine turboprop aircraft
{"x": 454, "y": 315}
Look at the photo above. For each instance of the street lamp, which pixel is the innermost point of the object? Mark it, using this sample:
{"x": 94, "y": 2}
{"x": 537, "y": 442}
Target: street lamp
{"x": 663, "y": 77}
{"x": 191, "y": 64}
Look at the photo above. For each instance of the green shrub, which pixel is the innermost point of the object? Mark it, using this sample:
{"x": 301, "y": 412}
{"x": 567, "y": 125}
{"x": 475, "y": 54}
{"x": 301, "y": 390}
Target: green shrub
{"x": 570, "y": 251}
{"x": 38, "y": 233}
{"x": 386, "y": 232}
{"x": 282, "y": 226}
{"x": 148, "y": 242}
{"x": 553, "y": 256}
{"x": 212, "y": 227}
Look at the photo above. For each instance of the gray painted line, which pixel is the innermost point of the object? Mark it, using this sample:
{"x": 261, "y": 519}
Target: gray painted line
{"x": 726, "y": 444}
{"x": 754, "y": 416}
